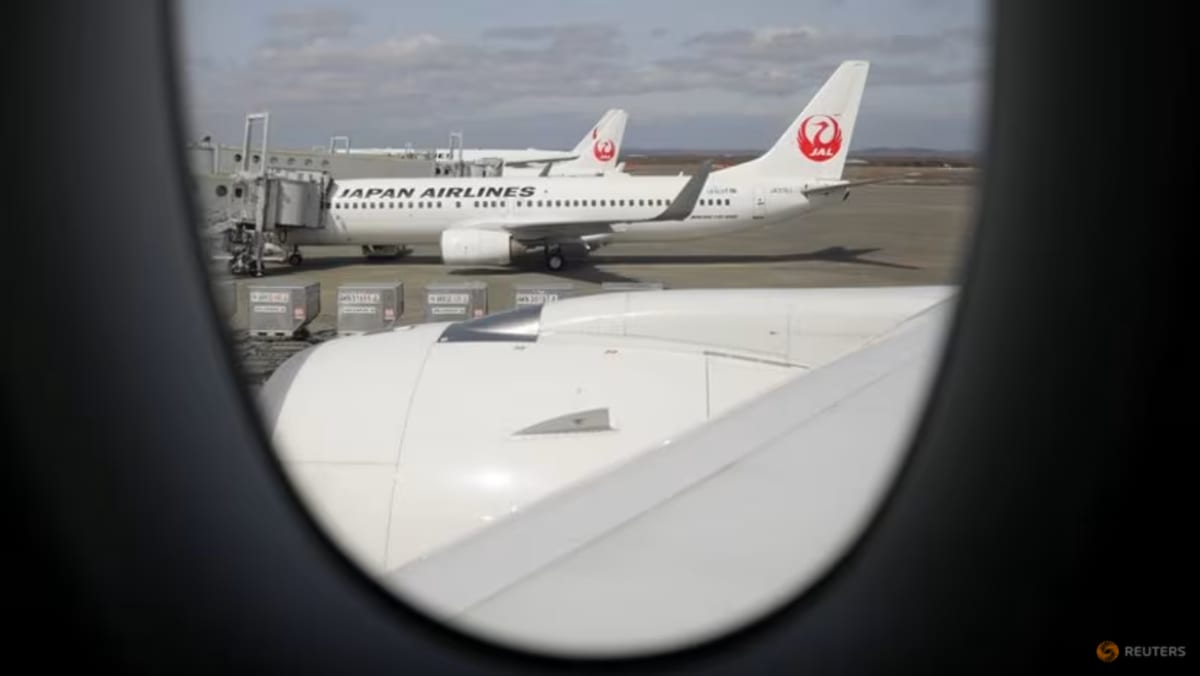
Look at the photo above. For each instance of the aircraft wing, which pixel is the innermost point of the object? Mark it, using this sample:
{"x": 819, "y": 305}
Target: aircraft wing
{"x": 541, "y": 232}
{"x": 841, "y": 185}
{"x": 680, "y": 208}
{"x": 616, "y": 471}
{"x": 548, "y": 161}
{"x": 710, "y": 527}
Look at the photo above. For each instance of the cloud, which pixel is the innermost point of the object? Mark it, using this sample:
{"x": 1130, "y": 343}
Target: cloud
{"x": 312, "y": 67}
{"x": 780, "y": 60}
{"x": 311, "y": 24}
{"x": 806, "y": 43}
{"x": 593, "y": 38}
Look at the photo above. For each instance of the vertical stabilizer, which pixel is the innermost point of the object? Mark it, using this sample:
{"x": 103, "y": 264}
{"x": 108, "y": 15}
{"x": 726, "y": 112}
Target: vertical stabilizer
{"x": 815, "y": 145}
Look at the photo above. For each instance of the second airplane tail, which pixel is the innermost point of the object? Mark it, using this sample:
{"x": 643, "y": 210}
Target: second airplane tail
{"x": 599, "y": 148}
{"x": 815, "y": 145}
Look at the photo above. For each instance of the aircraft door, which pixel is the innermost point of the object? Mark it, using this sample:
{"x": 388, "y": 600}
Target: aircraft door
{"x": 760, "y": 202}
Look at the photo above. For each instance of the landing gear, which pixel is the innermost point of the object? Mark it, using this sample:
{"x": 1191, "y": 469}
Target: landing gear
{"x": 374, "y": 251}
{"x": 295, "y": 259}
{"x": 555, "y": 260}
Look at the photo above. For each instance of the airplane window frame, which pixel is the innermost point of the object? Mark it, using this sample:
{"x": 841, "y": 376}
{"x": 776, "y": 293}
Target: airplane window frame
{"x": 1038, "y": 45}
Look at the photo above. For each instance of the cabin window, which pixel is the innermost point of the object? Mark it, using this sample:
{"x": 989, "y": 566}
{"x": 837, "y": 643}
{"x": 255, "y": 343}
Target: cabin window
{"x": 439, "y": 205}
{"x": 622, "y": 203}
{"x": 539, "y": 203}
{"x": 593, "y": 202}
{"x": 726, "y": 201}
{"x": 458, "y": 205}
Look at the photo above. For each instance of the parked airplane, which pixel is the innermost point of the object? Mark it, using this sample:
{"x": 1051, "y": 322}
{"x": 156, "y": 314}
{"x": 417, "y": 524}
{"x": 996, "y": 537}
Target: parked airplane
{"x": 489, "y": 221}
{"x": 596, "y": 153}
{"x": 532, "y": 158}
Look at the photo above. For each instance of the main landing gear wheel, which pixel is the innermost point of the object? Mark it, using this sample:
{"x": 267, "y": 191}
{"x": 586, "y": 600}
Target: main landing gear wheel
{"x": 295, "y": 259}
{"x": 555, "y": 261}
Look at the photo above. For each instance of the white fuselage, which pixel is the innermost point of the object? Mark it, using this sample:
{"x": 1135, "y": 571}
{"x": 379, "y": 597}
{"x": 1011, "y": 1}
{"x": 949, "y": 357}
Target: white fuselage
{"x": 406, "y": 211}
{"x": 510, "y": 155}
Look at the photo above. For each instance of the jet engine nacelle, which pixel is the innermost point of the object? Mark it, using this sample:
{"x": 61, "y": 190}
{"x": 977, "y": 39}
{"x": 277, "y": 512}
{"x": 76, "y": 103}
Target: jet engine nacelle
{"x": 479, "y": 247}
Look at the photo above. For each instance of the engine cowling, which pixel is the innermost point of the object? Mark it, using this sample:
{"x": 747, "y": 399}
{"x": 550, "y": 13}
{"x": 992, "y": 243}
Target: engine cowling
{"x": 479, "y": 247}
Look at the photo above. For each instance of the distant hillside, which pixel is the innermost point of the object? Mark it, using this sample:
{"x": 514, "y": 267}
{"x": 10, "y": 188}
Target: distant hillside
{"x": 885, "y": 155}
{"x": 911, "y": 152}
{"x": 678, "y": 152}
{"x": 916, "y": 157}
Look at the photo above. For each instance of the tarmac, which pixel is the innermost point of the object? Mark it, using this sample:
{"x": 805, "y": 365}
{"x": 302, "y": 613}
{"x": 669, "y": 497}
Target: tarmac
{"x": 882, "y": 235}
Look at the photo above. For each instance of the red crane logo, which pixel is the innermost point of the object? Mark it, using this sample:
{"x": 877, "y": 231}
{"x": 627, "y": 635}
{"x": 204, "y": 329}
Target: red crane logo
{"x": 604, "y": 150}
{"x": 820, "y": 137}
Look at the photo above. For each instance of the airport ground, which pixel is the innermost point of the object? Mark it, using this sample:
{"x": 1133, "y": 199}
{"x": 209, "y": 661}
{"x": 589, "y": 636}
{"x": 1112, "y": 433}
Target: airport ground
{"x": 883, "y": 235}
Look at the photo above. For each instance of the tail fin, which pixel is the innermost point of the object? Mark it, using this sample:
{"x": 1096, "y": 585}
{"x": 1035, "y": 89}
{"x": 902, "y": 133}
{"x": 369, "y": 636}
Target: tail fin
{"x": 599, "y": 148}
{"x": 816, "y": 143}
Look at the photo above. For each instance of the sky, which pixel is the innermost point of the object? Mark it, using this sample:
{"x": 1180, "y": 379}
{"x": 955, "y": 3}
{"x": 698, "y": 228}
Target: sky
{"x": 693, "y": 74}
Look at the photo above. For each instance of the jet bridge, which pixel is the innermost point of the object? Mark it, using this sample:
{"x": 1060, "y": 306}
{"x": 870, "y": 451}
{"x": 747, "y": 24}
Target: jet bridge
{"x": 252, "y": 196}
{"x": 266, "y": 203}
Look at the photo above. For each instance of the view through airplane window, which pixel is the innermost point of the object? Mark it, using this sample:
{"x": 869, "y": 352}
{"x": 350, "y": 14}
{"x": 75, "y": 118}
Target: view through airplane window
{"x": 590, "y": 328}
